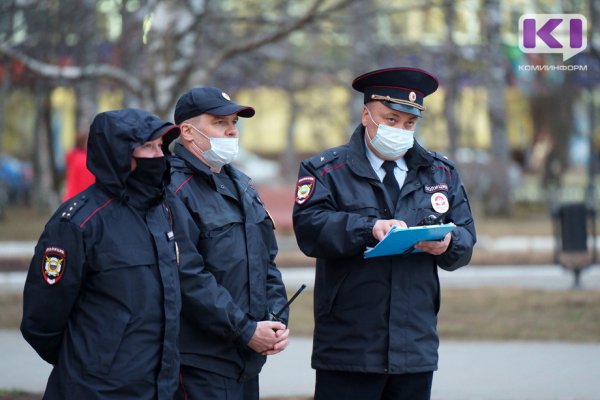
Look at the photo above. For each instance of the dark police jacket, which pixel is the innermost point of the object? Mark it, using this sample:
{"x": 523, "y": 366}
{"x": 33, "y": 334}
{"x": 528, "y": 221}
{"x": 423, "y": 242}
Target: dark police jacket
{"x": 377, "y": 315}
{"x": 238, "y": 245}
{"x": 102, "y": 296}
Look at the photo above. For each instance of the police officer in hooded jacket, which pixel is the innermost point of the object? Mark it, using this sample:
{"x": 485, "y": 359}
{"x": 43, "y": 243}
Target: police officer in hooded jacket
{"x": 102, "y": 296}
{"x": 375, "y": 319}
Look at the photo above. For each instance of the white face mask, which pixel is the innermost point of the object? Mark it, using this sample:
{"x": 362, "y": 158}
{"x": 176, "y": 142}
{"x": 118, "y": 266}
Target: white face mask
{"x": 222, "y": 150}
{"x": 391, "y": 143}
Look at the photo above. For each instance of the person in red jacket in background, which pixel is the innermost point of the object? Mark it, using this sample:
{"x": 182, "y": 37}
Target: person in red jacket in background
{"x": 78, "y": 177}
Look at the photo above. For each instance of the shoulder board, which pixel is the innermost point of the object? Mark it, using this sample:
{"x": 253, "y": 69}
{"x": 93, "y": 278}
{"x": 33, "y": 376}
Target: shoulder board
{"x": 72, "y": 207}
{"x": 442, "y": 158}
{"x": 324, "y": 158}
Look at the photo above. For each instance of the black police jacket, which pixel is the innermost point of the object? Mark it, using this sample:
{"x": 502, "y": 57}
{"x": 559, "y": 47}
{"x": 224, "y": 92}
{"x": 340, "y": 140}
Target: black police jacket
{"x": 102, "y": 295}
{"x": 375, "y": 315}
{"x": 237, "y": 243}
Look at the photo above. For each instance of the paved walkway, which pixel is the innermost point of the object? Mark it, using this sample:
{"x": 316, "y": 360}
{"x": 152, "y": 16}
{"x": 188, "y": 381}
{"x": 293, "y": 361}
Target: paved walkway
{"x": 470, "y": 371}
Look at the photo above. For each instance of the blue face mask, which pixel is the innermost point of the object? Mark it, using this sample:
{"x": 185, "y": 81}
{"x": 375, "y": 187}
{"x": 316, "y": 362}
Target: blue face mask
{"x": 391, "y": 143}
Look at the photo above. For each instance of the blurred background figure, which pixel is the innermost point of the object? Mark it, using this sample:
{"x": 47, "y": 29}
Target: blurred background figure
{"x": 77, "y": 176}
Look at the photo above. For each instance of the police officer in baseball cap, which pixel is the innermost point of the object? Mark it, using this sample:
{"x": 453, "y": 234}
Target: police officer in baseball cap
{"x": 375, "y": 319}
{"x": 224, "y": 349}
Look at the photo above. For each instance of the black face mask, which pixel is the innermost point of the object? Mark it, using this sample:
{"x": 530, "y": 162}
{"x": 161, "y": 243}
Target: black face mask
{"x": 150, "y": 171}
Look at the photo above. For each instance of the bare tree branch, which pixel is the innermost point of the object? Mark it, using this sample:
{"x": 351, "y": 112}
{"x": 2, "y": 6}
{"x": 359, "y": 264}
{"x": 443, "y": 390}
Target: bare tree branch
{"x": 312, "y": 14}
{"x": 73, "y": 72}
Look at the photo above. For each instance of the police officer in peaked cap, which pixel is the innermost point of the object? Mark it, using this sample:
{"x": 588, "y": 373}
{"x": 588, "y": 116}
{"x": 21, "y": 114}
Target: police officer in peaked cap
{"x": 375, "y": 318}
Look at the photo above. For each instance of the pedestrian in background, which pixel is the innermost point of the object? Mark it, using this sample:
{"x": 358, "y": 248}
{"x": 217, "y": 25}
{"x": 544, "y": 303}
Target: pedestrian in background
{"x": 77, "y": 176}
{"x": 102, "y": 299}
{"x": 222, "y": 352}
{"x": 375, "y": 319}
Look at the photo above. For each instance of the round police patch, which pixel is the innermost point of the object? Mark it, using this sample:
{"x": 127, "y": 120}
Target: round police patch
{"x": 54, "y": 262}
{"x": 304, "y": 189}
{"x": 439, "y": 202}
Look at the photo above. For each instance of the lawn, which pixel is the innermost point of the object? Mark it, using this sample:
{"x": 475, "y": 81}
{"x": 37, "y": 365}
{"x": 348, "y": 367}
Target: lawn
{"x": 466, "y": 314}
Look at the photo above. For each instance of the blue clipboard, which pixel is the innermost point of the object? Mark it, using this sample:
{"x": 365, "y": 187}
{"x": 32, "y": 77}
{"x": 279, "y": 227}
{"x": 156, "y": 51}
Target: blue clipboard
{"x": 400, "y": 240}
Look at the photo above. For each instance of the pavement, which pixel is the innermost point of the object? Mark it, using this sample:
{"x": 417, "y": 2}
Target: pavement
{"x": 467, "y": 370}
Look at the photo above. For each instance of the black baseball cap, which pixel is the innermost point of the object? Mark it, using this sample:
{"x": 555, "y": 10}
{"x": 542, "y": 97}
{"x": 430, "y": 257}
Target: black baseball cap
{"x": 208, "y": 100}
{"x": 401, "y": 89}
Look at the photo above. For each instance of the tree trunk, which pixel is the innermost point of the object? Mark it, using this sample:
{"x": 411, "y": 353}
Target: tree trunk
{"x": 499, "y": 201}
{"x": 45, "y": 198}
{"x": 450, "y": 82}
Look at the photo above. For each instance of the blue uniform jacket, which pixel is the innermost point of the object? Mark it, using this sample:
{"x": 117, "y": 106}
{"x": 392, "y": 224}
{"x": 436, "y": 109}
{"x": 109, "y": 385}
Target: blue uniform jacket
{"x": 102, "y": 295}
{"x": 237, "y": 243}
{"x": 377, "y": 315}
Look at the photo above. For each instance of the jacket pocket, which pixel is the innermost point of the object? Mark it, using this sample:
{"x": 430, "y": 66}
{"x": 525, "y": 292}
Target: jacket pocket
{"x": 97, "y": 337}
{"x": 105, "y": 259}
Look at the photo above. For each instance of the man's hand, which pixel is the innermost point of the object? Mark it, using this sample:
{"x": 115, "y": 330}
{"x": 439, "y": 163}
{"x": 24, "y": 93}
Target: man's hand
{"x": 269, "y": 338}
{"x": 282, "y": 335}
{"x": 435, "y": 247}
{"x": 382, "y": 226}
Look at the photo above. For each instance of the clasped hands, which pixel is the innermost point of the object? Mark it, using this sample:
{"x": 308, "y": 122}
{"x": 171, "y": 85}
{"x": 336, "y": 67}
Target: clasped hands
{"x": 270, "y": 337}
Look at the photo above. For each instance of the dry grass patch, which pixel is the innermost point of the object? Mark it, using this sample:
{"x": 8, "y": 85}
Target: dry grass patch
{"x": 11, "y": 305}
{"x": 466, "y": 314}
{"x": 499, "y": 314}
{"x": 520, "y": 314}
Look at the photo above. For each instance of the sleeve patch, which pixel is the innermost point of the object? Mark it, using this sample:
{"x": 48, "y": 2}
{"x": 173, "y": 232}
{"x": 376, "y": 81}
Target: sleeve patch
{"x": 304, "y": 189}
{"x": 54, "y": 262}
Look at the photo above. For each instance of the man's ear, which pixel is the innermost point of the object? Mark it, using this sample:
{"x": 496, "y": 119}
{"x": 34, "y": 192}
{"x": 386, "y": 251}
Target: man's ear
{"x": 365, "y": 116}
{"x": 186, "y": 132}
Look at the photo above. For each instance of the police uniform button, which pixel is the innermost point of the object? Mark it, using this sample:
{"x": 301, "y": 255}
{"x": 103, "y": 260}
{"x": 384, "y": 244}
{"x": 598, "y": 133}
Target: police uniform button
{"x": 385, "y": 370}
{"x": 222, "y": 186}
{"x": 70, "y": 208}
{"x": 335, "y": 153}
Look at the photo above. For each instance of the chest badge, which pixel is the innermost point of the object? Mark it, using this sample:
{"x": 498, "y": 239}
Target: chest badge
{"x": 54, "y": 262}
{"x": 304, "y": 189}
{"x": 437, "y": 187}
{"x": 440, "y": 203}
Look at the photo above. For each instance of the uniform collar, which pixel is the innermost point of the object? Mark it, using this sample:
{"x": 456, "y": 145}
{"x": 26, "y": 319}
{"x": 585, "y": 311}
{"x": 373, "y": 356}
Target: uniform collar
{"x": 197, "y": 166}
{"x": 357, "y": 159}
{"x": 418, "y": 156}
{"x": 193, "y": 162}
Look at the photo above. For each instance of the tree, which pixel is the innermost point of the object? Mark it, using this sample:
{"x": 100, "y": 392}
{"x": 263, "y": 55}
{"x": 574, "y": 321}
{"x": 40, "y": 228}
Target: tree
{"x": 164, "y": 48}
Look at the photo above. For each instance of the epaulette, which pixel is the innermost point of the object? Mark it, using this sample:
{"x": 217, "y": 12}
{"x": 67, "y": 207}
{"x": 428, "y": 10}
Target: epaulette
{"x": 324, "y": 158}
{"x": 71, "y": 208}
{"x": 442, "y": 158}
